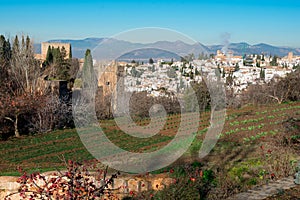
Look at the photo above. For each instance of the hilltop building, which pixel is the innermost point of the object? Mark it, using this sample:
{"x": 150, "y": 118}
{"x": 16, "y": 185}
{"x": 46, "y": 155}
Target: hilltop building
{"x": 45, "y": 46}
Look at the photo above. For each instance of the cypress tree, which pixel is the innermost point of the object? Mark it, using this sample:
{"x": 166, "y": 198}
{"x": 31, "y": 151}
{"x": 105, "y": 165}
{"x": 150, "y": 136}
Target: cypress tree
{"x": 70, "y": 52}
{"x": 28, "y": 44}
{"x": 49, "y": 56}
{"x": 262, "y": 73}
{"x": 63, "y": 52}
{"x": 88, "y": 75}
{"x": 237, "y": 67}
{"x": 5, "y": 51}
{"x": 16, "y": 45}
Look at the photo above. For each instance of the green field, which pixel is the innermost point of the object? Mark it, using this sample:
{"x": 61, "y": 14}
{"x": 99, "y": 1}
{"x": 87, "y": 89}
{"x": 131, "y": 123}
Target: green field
{"x": 248, "y": 126}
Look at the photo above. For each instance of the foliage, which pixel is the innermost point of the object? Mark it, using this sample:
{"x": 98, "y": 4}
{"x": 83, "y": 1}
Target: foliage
{"x": 190, "y": 182}
{"x": 151, "y": 61}
{"x": 60, "y": 67}
{"x": 88, "y": 74}
{"x": 24, "y": 93}
{"x": 274, "y": 60}
{"x": 236, "y": 67}
{"x": 262, "y": 74}
{"x": 20, "y": 88}
{"x": 78, "y": 182}
{"x": 202, "y": 97}
{"x": 140, "y": 104}
{"x": 278, "y": 90}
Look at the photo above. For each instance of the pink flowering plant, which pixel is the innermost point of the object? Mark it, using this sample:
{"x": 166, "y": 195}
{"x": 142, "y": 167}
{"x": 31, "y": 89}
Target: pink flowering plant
{"x": 79, "y": 181}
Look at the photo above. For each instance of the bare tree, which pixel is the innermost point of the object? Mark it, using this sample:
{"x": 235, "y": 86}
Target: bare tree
{"x": 24, "y": 69}
{"x": 21, "y": 83}
{"x": 279, "y": 90}
{"x": 284, "y": 89}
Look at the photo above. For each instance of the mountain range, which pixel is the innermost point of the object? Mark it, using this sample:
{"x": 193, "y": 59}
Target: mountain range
{"x": 113, "y": 48}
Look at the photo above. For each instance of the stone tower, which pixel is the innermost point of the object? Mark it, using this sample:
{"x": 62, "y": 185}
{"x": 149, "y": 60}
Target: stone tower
{"x": 111, "y": 81}
{"x": 45, "y": 45}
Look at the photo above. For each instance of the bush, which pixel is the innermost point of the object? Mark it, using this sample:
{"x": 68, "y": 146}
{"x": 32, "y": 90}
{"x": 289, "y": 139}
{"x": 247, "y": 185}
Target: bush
{"x": 76, "y": 183}
{"x": 190, "y": 182}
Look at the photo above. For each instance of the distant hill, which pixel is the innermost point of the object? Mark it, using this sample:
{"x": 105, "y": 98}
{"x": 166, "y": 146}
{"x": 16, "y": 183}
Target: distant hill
{"x": 245, "y": 48}
{"x": 112, "y": 47}
{"x": 143, "y": 55}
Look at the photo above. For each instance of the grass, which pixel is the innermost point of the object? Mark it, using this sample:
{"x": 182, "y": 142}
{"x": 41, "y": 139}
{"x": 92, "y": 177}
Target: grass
{"x": 246, "y": 126}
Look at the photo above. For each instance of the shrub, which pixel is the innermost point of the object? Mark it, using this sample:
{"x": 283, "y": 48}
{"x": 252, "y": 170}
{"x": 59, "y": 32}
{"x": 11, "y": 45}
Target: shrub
{"x": 76, "y": 183}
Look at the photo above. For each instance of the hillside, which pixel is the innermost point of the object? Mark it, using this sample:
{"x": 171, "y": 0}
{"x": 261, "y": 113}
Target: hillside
{"x": 245, "y": 129}
{"x": 178, "y": 47}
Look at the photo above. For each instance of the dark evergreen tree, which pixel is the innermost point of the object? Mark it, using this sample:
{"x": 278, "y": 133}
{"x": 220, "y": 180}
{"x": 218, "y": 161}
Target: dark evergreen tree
{"x": 57, "y": 56}
{"x": 237, "y": 67}
{"x": 274, "y": 61}
{"x": 5, "y": 52}
{"x": 223, "y": 73}
{"x": 88, "y": 74}
{"x": 49, "y": 56}
{"x": 28, "y": 43}
{"x": 5, "y": 56}
{"x": 16, "y": 45}
{"x": 70, "y": 52}
{"x": 151, "y": 61}
{"x": 63, "y": 52}
{"x": 262, "y": 74}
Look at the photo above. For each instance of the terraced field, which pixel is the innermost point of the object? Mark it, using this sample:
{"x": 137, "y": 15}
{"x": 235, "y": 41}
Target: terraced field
{"x": 246, "y": 126}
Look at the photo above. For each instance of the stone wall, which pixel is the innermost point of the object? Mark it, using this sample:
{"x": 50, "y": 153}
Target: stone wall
{"x": 109, "y": 77}
{"x": 122, "y": 185}
{"x": 45, "y": 45}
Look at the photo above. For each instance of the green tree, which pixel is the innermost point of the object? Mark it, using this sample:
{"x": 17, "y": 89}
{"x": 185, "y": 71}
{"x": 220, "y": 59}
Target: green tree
{"x": 236, "y": 67}
{"x": 274, "y": 61}
{"x": 223, "y": 73}
{"x": 257, "y": 63}
{"x": 262, "y": 74}
{"x": 5, "y": 52}
{"x": 197, "y": 73}
{"x": 63, "y": 52}
{"x": 57, "y": 56}
{"x": 172, "y": 61}
{"x": 88, "y": 74}
{"x": 211, "y": 55}
{"x": 49, "y": 56}
{"x": 151, "y": 61}
{"x": 70, "y": 52}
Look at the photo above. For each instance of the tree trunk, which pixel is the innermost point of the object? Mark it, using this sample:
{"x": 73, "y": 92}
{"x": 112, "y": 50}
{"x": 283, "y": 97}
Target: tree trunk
{"x": 40, "y": 122}
{"x": 17, "y": 134}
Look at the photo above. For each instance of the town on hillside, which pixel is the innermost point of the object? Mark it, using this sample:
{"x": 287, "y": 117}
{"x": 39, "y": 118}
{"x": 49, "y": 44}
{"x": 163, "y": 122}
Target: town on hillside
{"x": 237, "y": 72}
{"x": 155, "y": 76}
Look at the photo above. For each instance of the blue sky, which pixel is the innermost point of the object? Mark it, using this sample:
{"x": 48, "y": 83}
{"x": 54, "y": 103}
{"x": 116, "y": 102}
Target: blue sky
{"x": 275, "y": 22}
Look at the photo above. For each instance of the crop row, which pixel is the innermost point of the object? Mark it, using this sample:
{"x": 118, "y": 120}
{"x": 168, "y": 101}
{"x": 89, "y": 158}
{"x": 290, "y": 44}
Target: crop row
{"x": 260, "y": 135}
